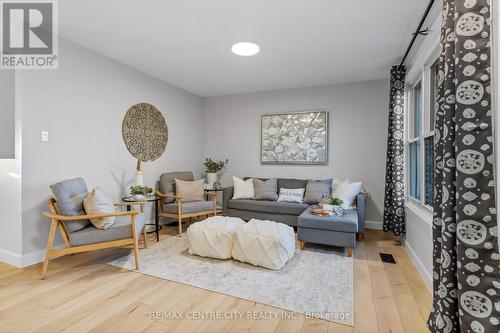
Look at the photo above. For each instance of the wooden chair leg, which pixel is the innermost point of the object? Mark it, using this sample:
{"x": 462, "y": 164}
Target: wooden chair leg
{"x": 136, "y": 242}
{"x": 145, "y": 235}
{"x": 301, "y": 245}
{"x": 50, "y": 242}
{"x": 180, "y": 225}
{"x": 349, "y": 251}
{"x": 64, "y": 236}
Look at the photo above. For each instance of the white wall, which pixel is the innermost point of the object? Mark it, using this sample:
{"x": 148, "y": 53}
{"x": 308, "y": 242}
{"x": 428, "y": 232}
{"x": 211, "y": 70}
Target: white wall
{"x": 10, "y": 179}
{"x": 7, "y": 114}
{"x": 358, "y": 127}
{"x": 82, "y": 105}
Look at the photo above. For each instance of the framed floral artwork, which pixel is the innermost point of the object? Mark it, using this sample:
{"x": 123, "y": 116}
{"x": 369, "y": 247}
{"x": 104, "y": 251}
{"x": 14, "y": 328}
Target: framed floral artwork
{"x": 295, "y": 138}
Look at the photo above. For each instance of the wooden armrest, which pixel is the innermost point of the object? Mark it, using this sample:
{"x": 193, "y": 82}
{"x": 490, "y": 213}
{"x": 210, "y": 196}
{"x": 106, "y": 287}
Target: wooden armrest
{"x": 174, "y": 196}
{"x": 86, "y": 217}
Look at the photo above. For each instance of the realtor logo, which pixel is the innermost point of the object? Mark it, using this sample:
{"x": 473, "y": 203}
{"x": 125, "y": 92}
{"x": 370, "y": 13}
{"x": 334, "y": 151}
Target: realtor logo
{"x": 29, "y": 34}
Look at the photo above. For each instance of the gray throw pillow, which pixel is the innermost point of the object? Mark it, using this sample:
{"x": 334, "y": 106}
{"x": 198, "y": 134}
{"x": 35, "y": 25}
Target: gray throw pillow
{"x": 315, "y": 189}
{"x": 69, "y": 195}
{"x": 265, "y": 190}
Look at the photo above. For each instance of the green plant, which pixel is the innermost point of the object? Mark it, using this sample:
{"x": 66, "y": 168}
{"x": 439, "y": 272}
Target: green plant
{"x": 140, "y": 190}
{"x": 212, "y": 166}
{"x": 333, "y": 200}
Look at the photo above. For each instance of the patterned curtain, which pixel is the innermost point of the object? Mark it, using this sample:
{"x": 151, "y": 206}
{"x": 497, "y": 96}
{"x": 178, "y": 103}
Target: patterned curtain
{"x": 466, "y": 261}
{"x": 394, "y": 214}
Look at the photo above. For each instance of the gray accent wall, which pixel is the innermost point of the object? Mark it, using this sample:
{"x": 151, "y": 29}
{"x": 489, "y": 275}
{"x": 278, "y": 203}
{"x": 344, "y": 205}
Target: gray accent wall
{"x": 357, "y": 138}
{"x": 82, "y": 105}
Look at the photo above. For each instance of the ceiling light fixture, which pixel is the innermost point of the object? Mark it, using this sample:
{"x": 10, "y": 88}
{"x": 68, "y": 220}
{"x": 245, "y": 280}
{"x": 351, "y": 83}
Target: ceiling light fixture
{"x": 245, "y": 49}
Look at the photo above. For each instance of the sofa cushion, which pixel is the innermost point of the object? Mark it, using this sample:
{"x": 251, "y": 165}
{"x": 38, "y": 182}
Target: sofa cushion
{"x": 274, "y": 207}
{"x": 189, "y": 207}
{"x": 345, "y": 223}
{"x": 291, "y": 183}
{"x": 69, "y": 195}
{"x": 265, "y": 190}
{"x": 316, "y": 189}
{"x": 121, "y": 229}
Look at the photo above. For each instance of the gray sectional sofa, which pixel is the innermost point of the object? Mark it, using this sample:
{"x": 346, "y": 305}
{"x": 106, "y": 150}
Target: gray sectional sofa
{"x": 284, "y": 212}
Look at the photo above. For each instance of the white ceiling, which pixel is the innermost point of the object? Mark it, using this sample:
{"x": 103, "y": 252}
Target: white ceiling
{"x": 303, "y": 42}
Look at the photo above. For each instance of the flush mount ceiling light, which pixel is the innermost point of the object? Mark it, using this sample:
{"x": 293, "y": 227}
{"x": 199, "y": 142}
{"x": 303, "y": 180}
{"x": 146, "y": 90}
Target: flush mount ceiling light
{"x": 245, "y": 49}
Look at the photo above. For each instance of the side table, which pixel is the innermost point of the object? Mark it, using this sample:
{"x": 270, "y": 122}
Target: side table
{"x": 150, "y": 198}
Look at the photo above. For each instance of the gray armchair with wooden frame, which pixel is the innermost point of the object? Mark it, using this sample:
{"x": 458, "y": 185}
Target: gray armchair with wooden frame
{"x": 68, "y": 215}
{"x": 172, "y": 206}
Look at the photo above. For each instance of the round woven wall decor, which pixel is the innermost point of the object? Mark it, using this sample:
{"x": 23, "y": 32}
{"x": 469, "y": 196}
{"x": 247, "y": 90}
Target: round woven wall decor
{"x": 145, "y": 132}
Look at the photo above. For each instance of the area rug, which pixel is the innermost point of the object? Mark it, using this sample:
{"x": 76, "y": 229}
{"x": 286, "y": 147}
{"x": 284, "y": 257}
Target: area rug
{"x": 316, "y": 282}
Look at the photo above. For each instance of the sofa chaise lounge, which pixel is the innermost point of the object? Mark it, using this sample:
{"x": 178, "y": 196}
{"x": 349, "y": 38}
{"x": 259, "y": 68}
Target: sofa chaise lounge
{"x": 284, "y": 212}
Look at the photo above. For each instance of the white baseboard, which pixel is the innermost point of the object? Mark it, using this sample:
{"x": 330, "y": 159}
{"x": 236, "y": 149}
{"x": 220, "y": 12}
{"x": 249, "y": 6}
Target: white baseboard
{"x": 375, "y": 225}
{"x": 424, "y": 273}
{"x": 11, "y": 258}
{"x": 25, "y": 260}
{"x": 36, "y": 257}
{"x": 31, "y": 258}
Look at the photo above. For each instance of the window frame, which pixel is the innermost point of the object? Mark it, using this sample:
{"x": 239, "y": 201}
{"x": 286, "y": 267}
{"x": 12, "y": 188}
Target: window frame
{"x": 423, "y": 77}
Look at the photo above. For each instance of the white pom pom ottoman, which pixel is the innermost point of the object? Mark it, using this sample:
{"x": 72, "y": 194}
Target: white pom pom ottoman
{"x": 264, "y": 243}
{"x": 213, "y": 237}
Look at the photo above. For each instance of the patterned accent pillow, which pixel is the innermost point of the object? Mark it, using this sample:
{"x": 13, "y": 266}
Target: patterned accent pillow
{"x": 291, "y": 195}
{"x": 265, "y": 190}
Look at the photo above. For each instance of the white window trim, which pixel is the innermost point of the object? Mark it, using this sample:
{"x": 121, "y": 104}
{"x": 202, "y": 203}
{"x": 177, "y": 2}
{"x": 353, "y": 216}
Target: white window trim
{"x": 422, "y": 75}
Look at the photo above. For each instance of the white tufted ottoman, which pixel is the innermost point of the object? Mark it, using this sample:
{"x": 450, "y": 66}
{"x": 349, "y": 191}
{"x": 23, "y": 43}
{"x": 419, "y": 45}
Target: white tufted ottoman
{"x": 264, "y": 243}
{"x": 213, "y": 237}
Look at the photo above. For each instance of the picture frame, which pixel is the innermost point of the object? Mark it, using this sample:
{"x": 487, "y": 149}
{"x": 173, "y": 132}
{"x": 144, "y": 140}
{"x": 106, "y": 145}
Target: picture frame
{"x": 295, "y": 138}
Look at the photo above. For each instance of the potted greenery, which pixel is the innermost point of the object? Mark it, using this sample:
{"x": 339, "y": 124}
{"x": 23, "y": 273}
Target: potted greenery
{"x": 336, "y": 202}
{"x": 212, "y": 168}
{"x": 139, "y": 192}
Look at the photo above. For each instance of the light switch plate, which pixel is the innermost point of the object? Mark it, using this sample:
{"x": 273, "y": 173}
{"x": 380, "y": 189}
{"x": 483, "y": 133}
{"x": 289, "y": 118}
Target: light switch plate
{"x": 44, "y": 136}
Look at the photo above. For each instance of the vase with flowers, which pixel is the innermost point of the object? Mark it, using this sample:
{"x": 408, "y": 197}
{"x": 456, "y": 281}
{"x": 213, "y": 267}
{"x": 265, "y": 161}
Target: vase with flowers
{"x": 212, "y": 168}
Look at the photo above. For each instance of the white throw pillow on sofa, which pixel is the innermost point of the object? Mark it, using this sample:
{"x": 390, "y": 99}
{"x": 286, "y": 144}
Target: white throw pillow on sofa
{"x": 243, "y": 189}
{"x": 292, "y": 195}
{"x": 97, "y": 202}
{"x": 347, "y": 192}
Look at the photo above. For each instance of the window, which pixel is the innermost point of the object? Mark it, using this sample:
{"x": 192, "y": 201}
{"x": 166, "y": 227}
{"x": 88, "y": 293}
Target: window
{"x": 415, "y": 170}
{"x": 417, "y": 110}
{"x": 420, "y": 139}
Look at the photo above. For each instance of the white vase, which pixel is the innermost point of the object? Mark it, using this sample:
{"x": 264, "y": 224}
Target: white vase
{"x": 138, "y": 180}
{"x": 211, "y": 179}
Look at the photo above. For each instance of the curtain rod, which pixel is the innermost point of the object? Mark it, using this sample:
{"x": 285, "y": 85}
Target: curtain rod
{"x": 418, "y": 32}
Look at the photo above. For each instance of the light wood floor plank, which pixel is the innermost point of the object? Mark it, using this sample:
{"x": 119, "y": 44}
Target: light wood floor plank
{"x": 82, "y": 294}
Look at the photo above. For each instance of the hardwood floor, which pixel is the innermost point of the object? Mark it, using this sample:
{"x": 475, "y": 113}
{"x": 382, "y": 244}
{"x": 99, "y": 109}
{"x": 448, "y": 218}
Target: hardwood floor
{"x": 82, "y": 293}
